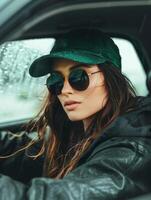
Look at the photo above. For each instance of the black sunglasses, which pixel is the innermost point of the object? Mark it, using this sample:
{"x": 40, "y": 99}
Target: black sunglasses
{"x": 78, "y": 79}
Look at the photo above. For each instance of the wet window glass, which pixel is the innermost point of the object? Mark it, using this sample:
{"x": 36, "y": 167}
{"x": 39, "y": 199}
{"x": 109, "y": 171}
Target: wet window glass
{"x": 21, "y": 95}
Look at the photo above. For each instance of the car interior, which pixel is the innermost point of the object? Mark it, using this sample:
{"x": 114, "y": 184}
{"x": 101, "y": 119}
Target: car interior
{"x": 127, "y": 19}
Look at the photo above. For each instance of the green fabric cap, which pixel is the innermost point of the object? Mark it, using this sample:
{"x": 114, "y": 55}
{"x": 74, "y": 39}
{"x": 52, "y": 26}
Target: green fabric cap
{"x": 89, "y": 46}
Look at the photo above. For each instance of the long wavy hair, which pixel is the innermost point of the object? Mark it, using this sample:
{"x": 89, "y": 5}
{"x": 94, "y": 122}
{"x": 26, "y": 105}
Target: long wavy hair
{"x": 66, "y": 140}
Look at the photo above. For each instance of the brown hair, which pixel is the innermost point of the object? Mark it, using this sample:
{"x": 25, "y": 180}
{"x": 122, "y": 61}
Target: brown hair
{"x": 67, "y": 140}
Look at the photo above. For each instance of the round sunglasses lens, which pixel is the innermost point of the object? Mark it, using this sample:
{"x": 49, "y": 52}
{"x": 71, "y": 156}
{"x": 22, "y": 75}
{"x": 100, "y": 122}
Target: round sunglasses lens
{"x": 55, "y": 83}
{"x": 79, "y": 79}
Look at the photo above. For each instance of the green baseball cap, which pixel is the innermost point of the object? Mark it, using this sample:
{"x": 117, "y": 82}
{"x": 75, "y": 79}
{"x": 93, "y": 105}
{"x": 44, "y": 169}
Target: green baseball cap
{"x": 89, "y": 46}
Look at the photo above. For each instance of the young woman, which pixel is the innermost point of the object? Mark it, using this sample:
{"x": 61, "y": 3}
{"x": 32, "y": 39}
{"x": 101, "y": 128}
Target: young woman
{"x": 94, "y": 133}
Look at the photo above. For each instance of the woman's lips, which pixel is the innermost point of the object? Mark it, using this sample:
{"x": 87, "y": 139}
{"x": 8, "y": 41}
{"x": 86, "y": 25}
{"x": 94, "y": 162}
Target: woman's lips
{"x": 71, "y": 106}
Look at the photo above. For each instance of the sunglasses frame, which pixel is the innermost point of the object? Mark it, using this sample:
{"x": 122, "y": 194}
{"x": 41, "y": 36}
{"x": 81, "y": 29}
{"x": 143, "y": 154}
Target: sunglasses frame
{"x": 58, "y": 93}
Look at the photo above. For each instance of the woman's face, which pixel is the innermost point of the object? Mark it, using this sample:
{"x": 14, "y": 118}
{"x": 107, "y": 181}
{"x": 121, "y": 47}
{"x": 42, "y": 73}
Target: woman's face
{"x": 87, "y": 102}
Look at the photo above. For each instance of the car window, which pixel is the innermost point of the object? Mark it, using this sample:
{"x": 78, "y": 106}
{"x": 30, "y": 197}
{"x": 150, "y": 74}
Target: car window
{"x": 132, "y": 66}
{"x": 21, "y": 95}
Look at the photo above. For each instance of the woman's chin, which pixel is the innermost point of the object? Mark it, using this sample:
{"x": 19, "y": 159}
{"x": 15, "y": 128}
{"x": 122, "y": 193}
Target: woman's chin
{"x": 74, "y": 117}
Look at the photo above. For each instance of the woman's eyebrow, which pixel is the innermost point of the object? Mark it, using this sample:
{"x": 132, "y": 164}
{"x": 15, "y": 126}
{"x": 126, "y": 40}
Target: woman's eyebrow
{"x": 78, "y": 65}
{"x": 74, "y": 67}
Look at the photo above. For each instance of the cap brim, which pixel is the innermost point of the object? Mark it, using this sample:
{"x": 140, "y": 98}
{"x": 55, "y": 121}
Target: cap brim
{"x": 43, "y": 65}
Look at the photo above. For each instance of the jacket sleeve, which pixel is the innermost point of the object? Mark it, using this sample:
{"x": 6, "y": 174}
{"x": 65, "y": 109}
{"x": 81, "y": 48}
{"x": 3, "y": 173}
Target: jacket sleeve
{"x": 16, "y": 163}
{"x": 115, "y": 170}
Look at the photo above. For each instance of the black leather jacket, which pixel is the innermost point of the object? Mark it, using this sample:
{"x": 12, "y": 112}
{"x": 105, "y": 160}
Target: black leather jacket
{"x": 116, "y": 166}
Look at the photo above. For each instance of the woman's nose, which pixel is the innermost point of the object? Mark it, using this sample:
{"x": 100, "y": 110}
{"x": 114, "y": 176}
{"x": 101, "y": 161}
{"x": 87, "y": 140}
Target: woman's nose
{"x": 66, "y": 88}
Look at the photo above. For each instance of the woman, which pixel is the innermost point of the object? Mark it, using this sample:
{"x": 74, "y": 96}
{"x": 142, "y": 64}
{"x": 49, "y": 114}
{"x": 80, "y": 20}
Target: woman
{"x": 94, "y": 133}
